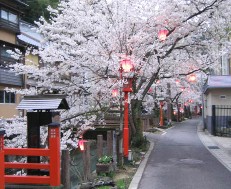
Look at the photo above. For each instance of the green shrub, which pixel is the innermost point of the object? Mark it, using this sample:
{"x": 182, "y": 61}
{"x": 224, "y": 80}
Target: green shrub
{"x": 121, "y": 184}
{"x": 105, "y": 159}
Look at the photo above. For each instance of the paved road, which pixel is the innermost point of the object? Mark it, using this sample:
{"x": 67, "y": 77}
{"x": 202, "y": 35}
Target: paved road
{"x": 180, "y": 161}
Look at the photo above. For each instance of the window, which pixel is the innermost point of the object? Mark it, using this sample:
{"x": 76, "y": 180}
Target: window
{"x": 4, "y": 15}
{"x": 7, "y": 97}
{"x": 9, "y": 16}
{"x": 13, "y": 18}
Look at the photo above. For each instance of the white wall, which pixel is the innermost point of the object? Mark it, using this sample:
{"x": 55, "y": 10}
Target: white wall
{"x": 214, "y": 97}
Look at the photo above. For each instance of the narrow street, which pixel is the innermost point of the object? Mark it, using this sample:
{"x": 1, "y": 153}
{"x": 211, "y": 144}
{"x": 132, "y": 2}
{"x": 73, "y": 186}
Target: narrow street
{"x": 179, "y": 160}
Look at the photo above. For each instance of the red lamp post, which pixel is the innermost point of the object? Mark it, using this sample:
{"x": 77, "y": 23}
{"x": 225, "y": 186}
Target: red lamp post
{"x": 127, "y": 72}
{"x": 162, "y": 35}
{"x": 161, "y": 113}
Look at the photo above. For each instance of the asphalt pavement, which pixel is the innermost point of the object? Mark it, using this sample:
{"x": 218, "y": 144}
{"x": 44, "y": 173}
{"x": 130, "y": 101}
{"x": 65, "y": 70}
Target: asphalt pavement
{"x": 185, "y": 157}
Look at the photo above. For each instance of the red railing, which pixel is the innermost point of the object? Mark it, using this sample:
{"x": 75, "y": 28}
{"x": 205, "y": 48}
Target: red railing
{"x": 53, "y": 153}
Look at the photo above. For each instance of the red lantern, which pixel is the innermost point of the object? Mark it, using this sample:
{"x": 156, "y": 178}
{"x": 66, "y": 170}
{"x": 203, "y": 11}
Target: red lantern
{"x": 81, "y": 144}
{"x": 115, "y": 92}
{"x": 162, "y": 35}
{"x": 150, "y": 90}
{"x": 177, "y": 81}
{"x": 192, "y": 78}
{"x": 158, "y": 81}
{"x": 127, "y": 65}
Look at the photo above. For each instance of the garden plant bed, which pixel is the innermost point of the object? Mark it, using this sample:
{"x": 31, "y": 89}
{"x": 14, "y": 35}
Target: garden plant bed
{"x": 104, "y": 168}
{"x": 120, "y": 177}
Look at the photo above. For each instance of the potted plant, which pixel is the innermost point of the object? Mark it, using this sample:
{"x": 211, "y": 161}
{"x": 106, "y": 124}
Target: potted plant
{"x": 104, "y": 165}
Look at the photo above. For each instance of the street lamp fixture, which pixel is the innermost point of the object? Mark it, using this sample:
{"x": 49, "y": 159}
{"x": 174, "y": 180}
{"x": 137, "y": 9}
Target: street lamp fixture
{"x": 127, "y": 73}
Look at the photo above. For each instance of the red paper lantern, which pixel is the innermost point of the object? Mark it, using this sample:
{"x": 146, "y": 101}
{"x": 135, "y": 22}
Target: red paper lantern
{"x": 127, "y": 65}
{"x": 192, "y": 78}
{"x": 162, "y": 35}
{"x": 190, "y": 101}
{"x": 177, "y": 81}
{"x": 115, "y": 92}
{"x": 81, "y": 144}
{"x": 150, "y": 90}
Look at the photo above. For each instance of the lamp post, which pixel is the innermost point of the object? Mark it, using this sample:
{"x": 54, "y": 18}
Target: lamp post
{"x": 126, "y": 72}
{"x": 161, "y": 113}
{"x": 162, "y": 35}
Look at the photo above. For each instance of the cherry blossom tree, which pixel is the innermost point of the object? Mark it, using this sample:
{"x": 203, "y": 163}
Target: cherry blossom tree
{"x": 85, "y": 40}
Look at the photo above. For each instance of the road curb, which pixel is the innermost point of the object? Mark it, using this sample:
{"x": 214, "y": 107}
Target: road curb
{"x": 137, "y": 177}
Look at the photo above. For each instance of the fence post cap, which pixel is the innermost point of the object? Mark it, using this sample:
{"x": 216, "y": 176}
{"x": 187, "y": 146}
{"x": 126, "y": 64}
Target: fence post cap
{"x": 54, "y": 124}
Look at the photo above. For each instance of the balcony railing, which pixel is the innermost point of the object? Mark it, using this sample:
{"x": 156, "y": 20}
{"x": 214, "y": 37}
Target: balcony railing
{"x": 6, "y": 61}
{"x": 9, "y": 78}
{"x": 6, "y": 76}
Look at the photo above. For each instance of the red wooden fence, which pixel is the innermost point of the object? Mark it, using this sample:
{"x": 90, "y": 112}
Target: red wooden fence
{"x": 53, "y": 153}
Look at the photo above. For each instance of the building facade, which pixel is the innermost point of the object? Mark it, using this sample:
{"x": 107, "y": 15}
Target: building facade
{"x": 10, "y": 13}
{"x": 217, "y": 92}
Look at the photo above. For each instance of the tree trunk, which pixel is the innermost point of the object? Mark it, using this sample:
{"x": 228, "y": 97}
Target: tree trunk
{"x": 137, "y": 136}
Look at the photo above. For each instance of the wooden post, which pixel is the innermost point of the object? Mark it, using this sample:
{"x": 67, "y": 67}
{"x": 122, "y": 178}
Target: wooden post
{"x": 54, "y": 147}
{"x": 65, "y": 169}
{"x": 86, "y": 162}
{"x": 109, "y": 143}
{"x": 119, "y": 147}
{"x": 114, "y": 144}
{"x": 99, "y": 146}
{"x": 2, "y": 160}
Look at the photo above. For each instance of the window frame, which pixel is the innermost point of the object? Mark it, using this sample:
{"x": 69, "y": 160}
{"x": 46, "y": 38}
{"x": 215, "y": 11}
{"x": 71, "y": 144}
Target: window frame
{"x": 8, "y": 16}
{"x": 9, "y": 96}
